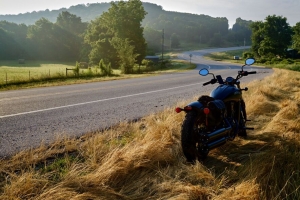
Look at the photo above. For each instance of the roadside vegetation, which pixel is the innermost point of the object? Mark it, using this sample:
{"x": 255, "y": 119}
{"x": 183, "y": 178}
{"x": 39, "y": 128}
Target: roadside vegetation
{"x": 281, "y": 63}
{"x": 42, "y": 74}
{"x": 143, "y": 160}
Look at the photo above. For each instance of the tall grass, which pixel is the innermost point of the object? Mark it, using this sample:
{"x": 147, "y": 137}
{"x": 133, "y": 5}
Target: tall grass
{"x": 143, "y": 160}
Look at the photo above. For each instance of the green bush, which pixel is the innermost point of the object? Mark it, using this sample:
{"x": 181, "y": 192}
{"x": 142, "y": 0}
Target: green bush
{"x": 248, "y": 54}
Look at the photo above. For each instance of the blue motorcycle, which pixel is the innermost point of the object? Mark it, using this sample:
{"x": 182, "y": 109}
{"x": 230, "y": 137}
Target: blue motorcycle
{"x": 213, "y": 120}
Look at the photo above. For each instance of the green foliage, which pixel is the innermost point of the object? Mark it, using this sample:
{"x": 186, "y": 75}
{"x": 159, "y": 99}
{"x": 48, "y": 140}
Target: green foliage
{"x": 248, "y": 54}
{"x": 216, "y": 41}
{"x": 59, "y": 167}
{"x": 296, "y": 37}
{"x": 271, "y": 38}
{"x": 153, "y": 38}
{"x": 149, "y": 64}
{"x": 117, "y": 36}
{"x": 71, "y": 23}
{"x": 76, "y": 69}
{"x": 175, "y": 41}
{"x": 13, "y": 41}
{"x": 240, "y": 33}
{"x": 106, "y": 70}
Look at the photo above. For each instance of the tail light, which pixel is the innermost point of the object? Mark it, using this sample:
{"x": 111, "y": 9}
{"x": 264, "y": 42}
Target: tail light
{"x": 206, "y": 111}
{"x": 187, "y": 108}
{"x": 178, "y": 110}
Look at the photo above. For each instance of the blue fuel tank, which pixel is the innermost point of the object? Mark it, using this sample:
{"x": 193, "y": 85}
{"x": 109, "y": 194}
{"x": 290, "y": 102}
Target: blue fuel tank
{"x": 226, "y": 93}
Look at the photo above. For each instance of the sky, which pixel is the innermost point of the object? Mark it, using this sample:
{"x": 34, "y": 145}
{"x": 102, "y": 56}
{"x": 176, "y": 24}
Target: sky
{"x": 255, "y": 10}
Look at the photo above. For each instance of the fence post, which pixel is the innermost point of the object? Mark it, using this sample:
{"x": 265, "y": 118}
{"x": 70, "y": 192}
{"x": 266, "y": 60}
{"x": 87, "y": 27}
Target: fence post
{"x": 29, "y": 74}
{"x": 66, "y": 71}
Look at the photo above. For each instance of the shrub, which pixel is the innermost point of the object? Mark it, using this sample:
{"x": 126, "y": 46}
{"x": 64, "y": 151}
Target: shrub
{"x": 248, "y": 54}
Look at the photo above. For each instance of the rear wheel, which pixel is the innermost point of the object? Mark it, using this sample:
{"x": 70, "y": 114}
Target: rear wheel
{"x": 190, "y": 148}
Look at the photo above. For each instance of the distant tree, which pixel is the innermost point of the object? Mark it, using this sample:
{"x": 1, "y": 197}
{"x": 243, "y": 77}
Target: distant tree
{"x": 216, "y": 41}
{"x": 240, "y": 32}
{"x": 175, "y": 41}
{"x": 13, "y": 41}
{"x": 122, "y": 22}
{"x": 126, "y": 54}
{"x": 50, "y": 42}
{"x": 98, "y": 37}
{"x": 257, "y": 37}
{"x": 71, "y": 22}
{"x": 153, "y": 39}
{"x": 272, "y": 37}
{"x": 296, "y": 37}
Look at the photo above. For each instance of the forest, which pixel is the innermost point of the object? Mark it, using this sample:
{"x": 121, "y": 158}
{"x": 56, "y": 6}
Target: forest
{"x": 59, "y": 34}
{"x": 102, "y": 31}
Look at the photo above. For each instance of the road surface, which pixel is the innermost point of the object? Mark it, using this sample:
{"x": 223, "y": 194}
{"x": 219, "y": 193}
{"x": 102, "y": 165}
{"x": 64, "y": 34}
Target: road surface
{"x": 31, "y": 116}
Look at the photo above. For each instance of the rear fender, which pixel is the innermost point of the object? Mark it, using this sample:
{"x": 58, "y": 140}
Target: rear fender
{"x": 196, "y": 105}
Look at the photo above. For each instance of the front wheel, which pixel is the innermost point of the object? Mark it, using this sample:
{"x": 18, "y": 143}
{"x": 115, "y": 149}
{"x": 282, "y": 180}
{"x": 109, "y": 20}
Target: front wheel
{"x": 189, "y": 138}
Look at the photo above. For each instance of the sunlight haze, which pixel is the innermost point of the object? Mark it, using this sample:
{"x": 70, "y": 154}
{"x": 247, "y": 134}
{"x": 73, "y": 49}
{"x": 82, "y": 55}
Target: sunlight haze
{"x": 255, "y": 10}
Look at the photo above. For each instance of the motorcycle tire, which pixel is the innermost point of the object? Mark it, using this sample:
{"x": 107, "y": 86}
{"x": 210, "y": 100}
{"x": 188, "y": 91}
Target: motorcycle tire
{"x": 190, "y": 148}
{"x": 242, "y": 130}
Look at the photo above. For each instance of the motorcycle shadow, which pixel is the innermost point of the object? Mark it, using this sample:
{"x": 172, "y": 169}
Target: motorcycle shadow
{"x": 235, "y": 155}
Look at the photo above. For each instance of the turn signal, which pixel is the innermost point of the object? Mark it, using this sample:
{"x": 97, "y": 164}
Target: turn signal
{"x": 178, "y": 110}
{"x": 206, "y": 111}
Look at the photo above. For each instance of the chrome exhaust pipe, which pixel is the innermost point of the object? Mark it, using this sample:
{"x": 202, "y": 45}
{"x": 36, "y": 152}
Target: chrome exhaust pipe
{"x": 218, "y": 133}
{"x": 216, "y": 143}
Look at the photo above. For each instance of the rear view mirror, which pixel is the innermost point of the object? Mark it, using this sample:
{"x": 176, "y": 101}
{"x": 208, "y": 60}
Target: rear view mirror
{"x": 203, "y": 72}
{"x": 250, "y": 61}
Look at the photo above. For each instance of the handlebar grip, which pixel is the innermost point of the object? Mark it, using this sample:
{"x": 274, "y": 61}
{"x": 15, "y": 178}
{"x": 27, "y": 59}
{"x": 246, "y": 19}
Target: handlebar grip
{"x": 206, "y": 83}
{"x": 254, "y": 72}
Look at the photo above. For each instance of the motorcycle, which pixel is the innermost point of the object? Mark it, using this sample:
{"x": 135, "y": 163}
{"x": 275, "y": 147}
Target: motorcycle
{"x": 213, "y": 120}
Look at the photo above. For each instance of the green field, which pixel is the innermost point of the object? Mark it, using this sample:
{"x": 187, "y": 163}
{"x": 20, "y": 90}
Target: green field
{"x": 12, "y": 71}
{"x": 40, "y": 73}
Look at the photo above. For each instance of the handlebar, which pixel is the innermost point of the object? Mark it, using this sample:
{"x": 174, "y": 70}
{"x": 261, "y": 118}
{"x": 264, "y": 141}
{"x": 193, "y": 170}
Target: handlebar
{"x": 212, "y": 81}
{"x": 245, "y": 73}
{"x": 220, "y": 80}
{"x": 206, "y": 83}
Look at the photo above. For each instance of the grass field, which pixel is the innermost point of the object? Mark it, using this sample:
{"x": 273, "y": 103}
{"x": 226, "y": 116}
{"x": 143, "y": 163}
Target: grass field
{"x": 143, "y": 160}
{"x": 11, "y": 71}
{"x": 40, "y": 73}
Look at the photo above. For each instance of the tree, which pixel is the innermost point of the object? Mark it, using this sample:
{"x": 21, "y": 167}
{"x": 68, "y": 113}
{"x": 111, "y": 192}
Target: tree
{"x": 50, "y": 42}
{"x": 257, "y": 36}
{"x": 174, "y": 41}
{"x": 153, "y": 39}
{"x": 123, "y": 23}
{"x": 125, "y": 53}
{"x": 240, "y": 32}
{"x": 296, "y": 37}
{"x": 71, "y": 23}
{"x": 272, "y": 37}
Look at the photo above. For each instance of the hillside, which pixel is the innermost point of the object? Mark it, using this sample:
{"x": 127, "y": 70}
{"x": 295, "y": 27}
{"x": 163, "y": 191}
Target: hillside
{"x": 143, "y": 160}
{"x": 87, "y": 13}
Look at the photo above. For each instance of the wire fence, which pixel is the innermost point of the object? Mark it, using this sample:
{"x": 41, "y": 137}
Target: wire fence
{"x": 7, "y": 78}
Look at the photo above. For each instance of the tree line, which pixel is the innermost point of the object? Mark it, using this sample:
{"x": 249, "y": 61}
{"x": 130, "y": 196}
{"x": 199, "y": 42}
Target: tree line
{"x": 272, "y": 38}
{"x": 127, "y": 31}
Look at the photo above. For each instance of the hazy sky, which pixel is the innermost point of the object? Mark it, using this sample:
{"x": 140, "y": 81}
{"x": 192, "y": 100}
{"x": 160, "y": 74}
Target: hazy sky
{"x": 256, "y": 10}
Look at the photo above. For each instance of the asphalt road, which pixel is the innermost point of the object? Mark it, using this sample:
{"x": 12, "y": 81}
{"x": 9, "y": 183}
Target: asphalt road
{"x": 31, "y": 116}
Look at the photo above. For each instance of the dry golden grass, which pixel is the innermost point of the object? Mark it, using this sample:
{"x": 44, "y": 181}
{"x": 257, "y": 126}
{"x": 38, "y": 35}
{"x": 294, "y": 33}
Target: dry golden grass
{"x": 143, "y": 160}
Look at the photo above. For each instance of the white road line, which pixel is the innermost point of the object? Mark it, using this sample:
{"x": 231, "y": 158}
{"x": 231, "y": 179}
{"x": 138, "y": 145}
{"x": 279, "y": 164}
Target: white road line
{"x": 97, "y": 101}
